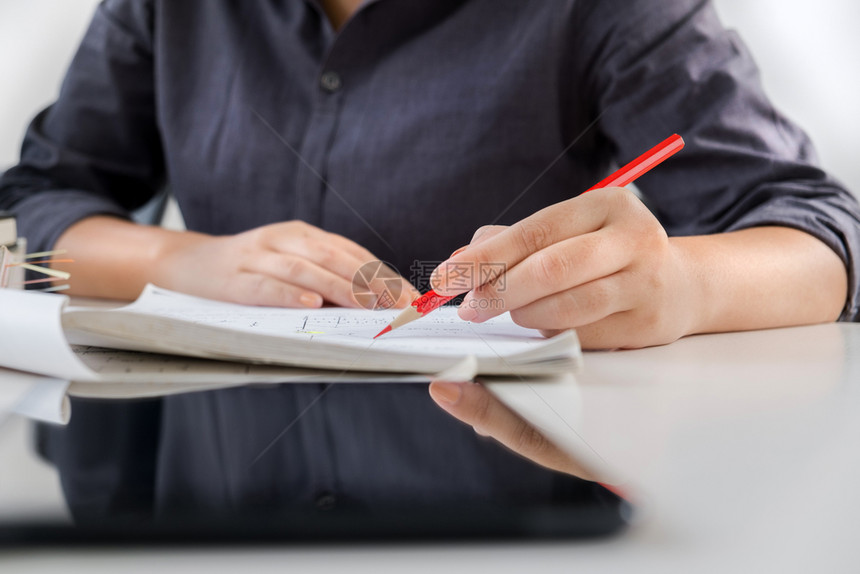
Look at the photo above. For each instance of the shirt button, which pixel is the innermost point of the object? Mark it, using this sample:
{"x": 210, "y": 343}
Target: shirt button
{"x": 326, "y": 501}
{"x": 330, "y": 82}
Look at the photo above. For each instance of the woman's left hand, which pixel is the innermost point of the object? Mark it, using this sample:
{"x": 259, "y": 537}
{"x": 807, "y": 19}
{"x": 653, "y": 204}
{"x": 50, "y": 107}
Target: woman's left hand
{"x": 476, "y": 406}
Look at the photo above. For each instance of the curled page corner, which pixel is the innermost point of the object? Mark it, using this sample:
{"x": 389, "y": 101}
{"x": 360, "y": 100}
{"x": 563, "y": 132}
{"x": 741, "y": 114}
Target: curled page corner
{"x": 462, "y": 371}
{"x": 553, "y": 405}
{"x": 32, "y": 336}
{"x": 46, "y": 401}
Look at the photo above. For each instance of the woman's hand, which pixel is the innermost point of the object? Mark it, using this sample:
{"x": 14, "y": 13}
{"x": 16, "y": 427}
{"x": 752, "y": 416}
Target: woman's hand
{"x": 600, "y": 263}
{"x": 290, "y": 264}
{"x": 476, "y": 406}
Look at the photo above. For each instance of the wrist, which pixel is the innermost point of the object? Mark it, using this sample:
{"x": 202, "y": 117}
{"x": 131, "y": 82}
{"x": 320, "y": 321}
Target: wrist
{"x": 166, "y": 264}
{"x": 695, "y": 303}
{"x": 115, "y": 258}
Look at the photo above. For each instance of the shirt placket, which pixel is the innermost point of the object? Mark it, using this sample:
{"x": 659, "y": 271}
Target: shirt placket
{"x": 311, "y": 183}
{"x": 329, "y": 92}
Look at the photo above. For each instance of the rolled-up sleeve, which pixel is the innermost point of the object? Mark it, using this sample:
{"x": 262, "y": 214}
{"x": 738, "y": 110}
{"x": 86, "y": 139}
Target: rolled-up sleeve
{"x": 656, "y": 68}
{"x": 97, "y": 149}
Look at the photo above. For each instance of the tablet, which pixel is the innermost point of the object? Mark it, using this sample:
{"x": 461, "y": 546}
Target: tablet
{"x": 137, "y": 473}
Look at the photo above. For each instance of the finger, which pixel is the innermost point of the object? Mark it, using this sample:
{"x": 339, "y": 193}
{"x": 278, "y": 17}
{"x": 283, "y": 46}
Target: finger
{"x": 264, "y": 290}
{"x": 344, "y": 244}
{"x": 574, "y": 308}
{"x": 481, "y": 234}
{"x": 458, "y": 250}
{"x": 305, "y": 274}
{"x": 474, "y": 405}
{"x": 550, "y": 225}
{"x": 486, "y": 232}
{"x": 558, "y": 268}
{"x": 408, "y": 294}
{"x": 330, "y": 256}
{"x": 351, "y": 247}
{"x": 331, "y": 251}
{"x": 328, "y": 250}
{"x": 345, "y": 257}
{"x": 287, "y": 232}
{"x": 313, "y": 247}
{"x": 391, "y": 289}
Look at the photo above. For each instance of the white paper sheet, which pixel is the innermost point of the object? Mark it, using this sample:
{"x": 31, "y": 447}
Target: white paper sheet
{"x": 33, "y": 396}
{"x": 129, "y": 374}
{"x": 13, "y": 387}
{"x": 31, "y": 335}
{"x": 46, "y": 401}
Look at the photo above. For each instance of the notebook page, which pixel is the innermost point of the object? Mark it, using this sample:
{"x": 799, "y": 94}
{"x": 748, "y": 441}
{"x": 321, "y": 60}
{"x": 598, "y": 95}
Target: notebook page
{"x": 441, "y": 333}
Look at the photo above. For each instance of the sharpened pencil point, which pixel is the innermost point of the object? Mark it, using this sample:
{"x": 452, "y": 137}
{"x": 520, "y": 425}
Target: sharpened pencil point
{"x": 384, "y": 331}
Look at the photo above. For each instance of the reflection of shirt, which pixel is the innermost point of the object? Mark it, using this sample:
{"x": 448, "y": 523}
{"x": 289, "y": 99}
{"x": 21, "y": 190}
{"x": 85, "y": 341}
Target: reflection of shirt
{"x": 417, "y": 123}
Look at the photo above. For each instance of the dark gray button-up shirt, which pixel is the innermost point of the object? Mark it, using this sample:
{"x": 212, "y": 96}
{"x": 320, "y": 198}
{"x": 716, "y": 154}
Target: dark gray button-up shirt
{"x": 415, "y": 124}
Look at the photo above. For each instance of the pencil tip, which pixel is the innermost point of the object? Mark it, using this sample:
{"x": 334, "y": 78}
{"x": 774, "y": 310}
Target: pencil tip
{"x": 384, "y": 331}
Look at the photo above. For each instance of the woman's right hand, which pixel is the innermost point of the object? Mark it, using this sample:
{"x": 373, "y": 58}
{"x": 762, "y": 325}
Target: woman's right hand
{"x": 289, "y": 264}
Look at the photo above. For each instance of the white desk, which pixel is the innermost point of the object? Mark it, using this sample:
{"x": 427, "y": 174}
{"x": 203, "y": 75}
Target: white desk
{"x": 745, "y": 447}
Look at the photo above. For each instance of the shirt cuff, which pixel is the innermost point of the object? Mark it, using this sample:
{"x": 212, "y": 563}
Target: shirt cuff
{"x": 43, "y": 217}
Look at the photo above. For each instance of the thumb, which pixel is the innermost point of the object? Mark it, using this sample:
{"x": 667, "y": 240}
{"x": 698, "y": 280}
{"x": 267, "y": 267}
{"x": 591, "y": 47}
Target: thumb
{"x": 474, "y": 405}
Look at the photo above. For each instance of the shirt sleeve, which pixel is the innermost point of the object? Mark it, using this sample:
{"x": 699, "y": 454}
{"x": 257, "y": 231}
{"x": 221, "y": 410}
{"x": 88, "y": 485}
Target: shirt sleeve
{"x": 657, "y": 68}
{"x": 97, "y": 149}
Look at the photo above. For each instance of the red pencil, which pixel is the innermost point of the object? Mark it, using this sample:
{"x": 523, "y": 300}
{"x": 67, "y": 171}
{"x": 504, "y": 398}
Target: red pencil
{"x": 642, "y": 164}
{"x": 431, "y": 300}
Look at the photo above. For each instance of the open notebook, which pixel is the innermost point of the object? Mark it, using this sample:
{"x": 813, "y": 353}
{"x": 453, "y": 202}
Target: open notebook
{"x": 338, "y": 339}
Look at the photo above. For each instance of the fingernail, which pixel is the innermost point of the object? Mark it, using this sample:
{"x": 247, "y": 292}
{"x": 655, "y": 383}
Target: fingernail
{"x": 446, "y": 392}
{"x": 468, "y": 313}
{"x": 437, "y": 279}
{"x": 312, "y": 300}
{"x": 382, "y": 302}
{"x": 468, "y": 310}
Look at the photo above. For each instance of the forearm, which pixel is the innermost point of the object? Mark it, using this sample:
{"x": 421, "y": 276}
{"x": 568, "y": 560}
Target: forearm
{"x": 762, "y": 277}
{"x": 115, "y": 258}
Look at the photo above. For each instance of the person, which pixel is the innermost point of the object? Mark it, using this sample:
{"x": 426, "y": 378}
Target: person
{"x": 304, "y": 139}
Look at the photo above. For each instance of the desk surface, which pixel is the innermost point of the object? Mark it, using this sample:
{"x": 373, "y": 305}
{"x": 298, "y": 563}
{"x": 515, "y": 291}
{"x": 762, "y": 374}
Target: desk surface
{"x": 745, "y": 449}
